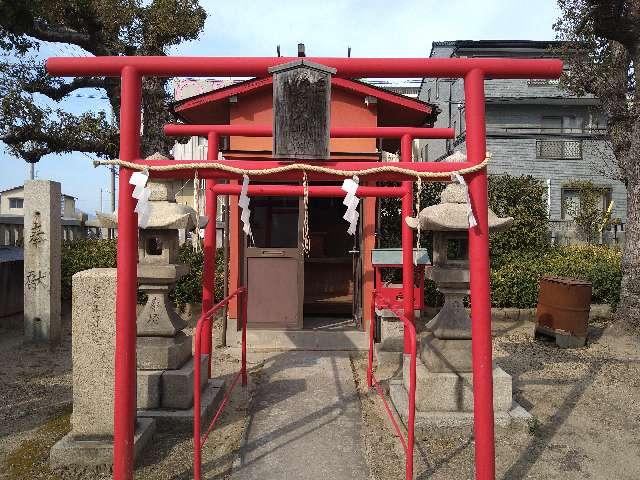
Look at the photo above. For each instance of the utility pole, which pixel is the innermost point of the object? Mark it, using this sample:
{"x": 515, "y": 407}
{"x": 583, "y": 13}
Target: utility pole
{"x": 32, "y": 171}
{"x": 100, "y": 200}
{"x": 113, "y": 188}
{"x": 112, "y": 232}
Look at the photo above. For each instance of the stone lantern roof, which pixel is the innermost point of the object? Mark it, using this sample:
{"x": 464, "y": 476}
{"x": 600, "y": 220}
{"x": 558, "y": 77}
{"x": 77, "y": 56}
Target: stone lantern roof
{"x": 165, "y": 213}
{"x": 451, "y": 213}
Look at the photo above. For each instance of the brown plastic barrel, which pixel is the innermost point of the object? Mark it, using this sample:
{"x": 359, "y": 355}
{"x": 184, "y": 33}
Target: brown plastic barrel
{"x": 563, "y": 305}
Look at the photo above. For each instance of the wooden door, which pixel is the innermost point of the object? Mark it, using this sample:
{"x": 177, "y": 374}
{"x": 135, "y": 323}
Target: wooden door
{"x": 274, "y": 264}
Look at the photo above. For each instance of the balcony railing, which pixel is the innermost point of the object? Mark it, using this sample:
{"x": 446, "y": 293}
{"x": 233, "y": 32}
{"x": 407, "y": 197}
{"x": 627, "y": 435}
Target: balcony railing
{"x": 559, "y": 149}
{"x": 543, "y": 82}
{"x": 537, "y": 130}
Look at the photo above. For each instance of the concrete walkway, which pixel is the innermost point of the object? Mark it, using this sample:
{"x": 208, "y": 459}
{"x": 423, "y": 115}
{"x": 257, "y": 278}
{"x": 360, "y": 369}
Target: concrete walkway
{"x": 306, "y": 421}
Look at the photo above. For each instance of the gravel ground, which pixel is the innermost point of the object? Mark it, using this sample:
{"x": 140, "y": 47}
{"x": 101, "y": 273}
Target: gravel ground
{"x": 35, "y": 411}
{"x": 585, "y": 403}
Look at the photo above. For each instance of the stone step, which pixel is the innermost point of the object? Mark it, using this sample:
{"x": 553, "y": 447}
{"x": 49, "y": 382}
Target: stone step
{"x": 169, "y": 388}
{"x": 182, "y": 419}
{"x": 425, "y": 422}
{"x": 177, "y": 385}
{"x": 346, "y": 340}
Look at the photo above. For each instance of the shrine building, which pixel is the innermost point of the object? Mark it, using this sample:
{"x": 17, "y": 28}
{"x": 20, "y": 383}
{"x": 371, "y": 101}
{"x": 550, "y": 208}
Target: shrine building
{"x": 332, "y": 285}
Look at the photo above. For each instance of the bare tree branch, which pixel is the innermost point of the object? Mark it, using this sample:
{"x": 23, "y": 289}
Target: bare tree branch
{"x": 58, "y": 92}
{"x": 61, "y": 35}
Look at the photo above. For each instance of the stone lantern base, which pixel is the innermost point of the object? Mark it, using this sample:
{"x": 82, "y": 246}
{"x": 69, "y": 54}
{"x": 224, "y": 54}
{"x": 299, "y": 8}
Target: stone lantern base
{"x": 79, "y": 451}
{"x": 445, "y": 399}
{"x": 165, "y": 389}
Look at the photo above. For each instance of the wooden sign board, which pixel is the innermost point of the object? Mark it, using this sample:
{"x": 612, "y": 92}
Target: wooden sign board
{"x": 301, "y": 110}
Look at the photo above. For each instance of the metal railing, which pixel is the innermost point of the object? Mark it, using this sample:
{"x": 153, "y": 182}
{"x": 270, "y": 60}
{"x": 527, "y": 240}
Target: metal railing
{"x": 537, "y": 131}
{"x": 408, "y": 442}
{"x": 198, "y": 439}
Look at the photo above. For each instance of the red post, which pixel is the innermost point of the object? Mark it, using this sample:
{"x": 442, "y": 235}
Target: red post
{"x": 197, "y": 439}
{"x": 479, "y": 282}
{"x": 372, "y": 324}
{"x": 407, "y": 300}
{"x": 407, "y": 240}
{"x": 245, "y": 300}
{"x": 209, "y": 250}
{"x": 411, "y": 420}
{"x": 124, "y": 398}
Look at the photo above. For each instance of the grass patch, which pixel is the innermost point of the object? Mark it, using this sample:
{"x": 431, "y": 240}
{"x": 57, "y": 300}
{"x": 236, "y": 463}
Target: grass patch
{"x": 31, "y": 458}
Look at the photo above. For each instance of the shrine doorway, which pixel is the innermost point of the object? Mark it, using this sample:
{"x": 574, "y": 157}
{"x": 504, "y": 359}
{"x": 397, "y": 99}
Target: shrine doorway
{"x": 291, "y": 291}
{"x": 332, "y": 270}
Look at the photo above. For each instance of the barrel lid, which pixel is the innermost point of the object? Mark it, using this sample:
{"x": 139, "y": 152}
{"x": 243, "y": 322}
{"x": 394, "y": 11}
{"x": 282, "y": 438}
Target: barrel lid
{"x": 566, "y": 280}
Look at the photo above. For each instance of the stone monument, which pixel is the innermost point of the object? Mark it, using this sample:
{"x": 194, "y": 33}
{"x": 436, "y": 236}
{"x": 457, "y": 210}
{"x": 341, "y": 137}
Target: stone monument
{"x": 42, "y": 251}
{"x": 444, "y": 393}
{"x": 90, "y": 442}
{"x": 164, "y": 358}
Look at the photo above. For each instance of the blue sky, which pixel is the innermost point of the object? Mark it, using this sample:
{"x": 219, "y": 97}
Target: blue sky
{"x": 373, "y": 28}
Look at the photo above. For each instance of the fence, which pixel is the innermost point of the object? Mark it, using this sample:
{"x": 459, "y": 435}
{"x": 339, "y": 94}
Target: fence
{"x": 12, "y": 228}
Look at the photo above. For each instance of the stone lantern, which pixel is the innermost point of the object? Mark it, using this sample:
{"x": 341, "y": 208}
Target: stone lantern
{"x": 158, "y": 270}
{"x": 449, "y": 223}
{"x": 164, "y": 358}
{"x": 444, "y": 393}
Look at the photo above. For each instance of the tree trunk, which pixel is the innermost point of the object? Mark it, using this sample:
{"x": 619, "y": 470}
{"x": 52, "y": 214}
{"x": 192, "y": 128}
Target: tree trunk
{"x": 155, "y": 115}
{"x": 628, "y": 312}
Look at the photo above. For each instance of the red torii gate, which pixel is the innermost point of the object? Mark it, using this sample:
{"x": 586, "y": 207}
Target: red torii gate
{"x": 473, "y": 71}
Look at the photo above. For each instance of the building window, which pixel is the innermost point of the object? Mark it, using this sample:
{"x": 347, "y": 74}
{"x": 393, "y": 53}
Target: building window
{"x": 559, "y": 149}
{"x": 16, "y": 203}
{"x": 571, "y": 201}
{"x": 566, "y": 124}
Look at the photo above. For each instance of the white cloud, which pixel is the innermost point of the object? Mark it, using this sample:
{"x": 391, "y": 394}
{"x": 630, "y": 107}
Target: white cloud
{"x": 372, "y": 28}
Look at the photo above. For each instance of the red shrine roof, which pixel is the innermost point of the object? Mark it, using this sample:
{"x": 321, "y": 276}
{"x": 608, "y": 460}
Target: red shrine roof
{"x": 393, "y": 109}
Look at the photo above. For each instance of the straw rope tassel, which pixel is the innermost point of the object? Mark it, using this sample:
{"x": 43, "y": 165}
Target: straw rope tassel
{"x": 417, "y": 213}
{"x": 196, "y": 207}
{"x": 306, "y": 243}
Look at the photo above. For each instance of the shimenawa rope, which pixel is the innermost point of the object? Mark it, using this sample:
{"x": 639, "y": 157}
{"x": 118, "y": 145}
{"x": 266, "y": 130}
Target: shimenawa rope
{"x": 292, "y": 167}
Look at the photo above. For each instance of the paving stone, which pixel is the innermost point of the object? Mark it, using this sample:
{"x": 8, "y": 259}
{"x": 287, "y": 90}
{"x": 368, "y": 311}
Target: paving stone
{"x": 306, "y": 422}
